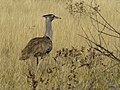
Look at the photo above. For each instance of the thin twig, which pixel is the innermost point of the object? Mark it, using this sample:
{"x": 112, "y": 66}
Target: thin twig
{"x": 92, "y": 35}
{"x": 109, "y": 34}
{"x": 112, "y": 28}
{"x": 111, "y": 67}
{"x": 108, "y": 53}
{"x": 86, "y": 35}
{"x": 103, "y": 38}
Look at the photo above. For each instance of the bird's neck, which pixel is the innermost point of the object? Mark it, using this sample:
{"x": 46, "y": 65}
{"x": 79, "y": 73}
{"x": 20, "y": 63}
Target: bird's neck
{"x": 48, "y": 31}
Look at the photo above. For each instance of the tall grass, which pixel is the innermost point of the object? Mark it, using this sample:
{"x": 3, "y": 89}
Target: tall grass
{"x": 21, "y": 20}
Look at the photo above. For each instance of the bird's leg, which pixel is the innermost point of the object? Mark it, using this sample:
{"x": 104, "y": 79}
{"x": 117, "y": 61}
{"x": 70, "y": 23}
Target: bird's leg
{"x": 37, "y": 61}
{"x": 38, "y": 65}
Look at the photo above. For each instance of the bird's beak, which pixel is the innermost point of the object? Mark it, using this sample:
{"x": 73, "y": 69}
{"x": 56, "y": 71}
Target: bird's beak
{"x": 57, "y": 17}
{"x": 43, "y": 15}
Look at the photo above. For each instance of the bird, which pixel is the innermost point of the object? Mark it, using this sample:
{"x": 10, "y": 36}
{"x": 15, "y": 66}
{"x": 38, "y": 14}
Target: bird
{"x": 40, "y": 46}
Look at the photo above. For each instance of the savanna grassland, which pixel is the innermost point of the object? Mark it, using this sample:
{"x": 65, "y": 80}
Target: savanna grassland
{"x": 71, "y": 65}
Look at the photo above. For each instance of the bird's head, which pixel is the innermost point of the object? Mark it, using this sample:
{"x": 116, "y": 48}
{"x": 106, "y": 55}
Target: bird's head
{"x": 51, "y": 17}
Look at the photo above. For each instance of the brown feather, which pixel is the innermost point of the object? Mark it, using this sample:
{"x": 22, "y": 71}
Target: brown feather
{"x": 38, "y": 46}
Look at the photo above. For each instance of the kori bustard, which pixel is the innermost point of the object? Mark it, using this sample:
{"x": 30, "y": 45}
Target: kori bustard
{"x": 40, "y": 46}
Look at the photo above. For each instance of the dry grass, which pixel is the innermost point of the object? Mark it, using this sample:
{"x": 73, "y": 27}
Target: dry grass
{"x": 21, "y": 20}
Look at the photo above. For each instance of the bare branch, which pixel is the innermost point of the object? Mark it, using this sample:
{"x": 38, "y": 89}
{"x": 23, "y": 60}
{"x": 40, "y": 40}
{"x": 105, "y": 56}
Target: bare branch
{"x": 112, "y": 28}
{"x": 111, "y": 67}
{"x": 109, "y": 34}
{"x": 104, "y": 52}
{"x": 90, "y": 44}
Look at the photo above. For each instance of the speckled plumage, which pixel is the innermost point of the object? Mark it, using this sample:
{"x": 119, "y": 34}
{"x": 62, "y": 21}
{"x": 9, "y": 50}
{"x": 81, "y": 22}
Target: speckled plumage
{"x": 36, "y": 47}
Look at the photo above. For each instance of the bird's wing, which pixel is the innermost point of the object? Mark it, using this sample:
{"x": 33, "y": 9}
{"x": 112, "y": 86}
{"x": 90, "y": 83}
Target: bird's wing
{"x": 33, "y": 42}
{"x": 37, "y": 46}
{"x": 44, "y": 46}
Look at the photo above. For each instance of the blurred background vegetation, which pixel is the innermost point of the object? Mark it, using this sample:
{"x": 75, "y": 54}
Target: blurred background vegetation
{"x": 71, "y": 65}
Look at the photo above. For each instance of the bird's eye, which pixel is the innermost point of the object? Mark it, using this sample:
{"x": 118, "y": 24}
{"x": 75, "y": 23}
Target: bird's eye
{"x": 52, "y": 16}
